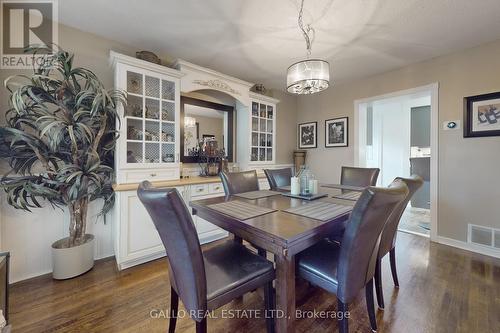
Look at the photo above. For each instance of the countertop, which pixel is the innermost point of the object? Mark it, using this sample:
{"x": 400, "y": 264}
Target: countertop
{"x": 172, "y": 183}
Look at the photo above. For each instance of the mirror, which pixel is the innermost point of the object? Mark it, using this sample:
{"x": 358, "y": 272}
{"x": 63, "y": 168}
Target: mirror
{"x": 203, "y": 121}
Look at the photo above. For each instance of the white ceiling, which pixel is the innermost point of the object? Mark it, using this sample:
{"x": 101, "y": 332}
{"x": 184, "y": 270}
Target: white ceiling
{"x": 256, "y": 40}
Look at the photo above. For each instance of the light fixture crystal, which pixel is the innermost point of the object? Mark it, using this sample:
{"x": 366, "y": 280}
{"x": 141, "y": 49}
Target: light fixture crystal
{"x": 311, "y": 75}
{"x": 189, "y": 122}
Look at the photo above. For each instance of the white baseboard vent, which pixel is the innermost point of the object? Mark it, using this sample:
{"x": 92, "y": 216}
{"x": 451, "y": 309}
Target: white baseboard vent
{"x": 483, "y": 236}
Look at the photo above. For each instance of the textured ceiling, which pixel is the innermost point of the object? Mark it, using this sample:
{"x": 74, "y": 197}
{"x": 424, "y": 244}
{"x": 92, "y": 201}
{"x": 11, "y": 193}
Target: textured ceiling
{"x": 256, "y": 40}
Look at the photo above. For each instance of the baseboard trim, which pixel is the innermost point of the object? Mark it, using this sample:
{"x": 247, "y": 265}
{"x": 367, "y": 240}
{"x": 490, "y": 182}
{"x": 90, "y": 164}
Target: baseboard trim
{"x": 468, "y": 247}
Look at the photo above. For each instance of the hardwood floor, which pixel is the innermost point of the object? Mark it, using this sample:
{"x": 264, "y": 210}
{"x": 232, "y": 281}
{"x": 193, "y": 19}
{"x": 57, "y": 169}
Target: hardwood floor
{"x": 442, "y": 290}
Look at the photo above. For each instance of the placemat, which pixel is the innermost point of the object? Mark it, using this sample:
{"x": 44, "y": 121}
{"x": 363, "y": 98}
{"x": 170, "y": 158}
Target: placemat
{"x": 354, "y": 196}
{"x": 257, "y": 194}
{"x": 321, "y": 210}
{"x": 240, "y": 209}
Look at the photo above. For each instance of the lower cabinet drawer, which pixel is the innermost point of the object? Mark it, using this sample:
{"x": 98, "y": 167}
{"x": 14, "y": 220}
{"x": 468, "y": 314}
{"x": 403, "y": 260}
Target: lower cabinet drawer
{"x": 215, "y": 188}
{"x": 199, "y": 190}
{"x": 139, "y": 176}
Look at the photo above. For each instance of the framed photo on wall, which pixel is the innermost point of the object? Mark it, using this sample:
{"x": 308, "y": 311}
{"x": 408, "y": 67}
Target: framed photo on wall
{"x": 482, "y": 115}
{"x": 308, "y": 135}
{"x": 336, "y": 132}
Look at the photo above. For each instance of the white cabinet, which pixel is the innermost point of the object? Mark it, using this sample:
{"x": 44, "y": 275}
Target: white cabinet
{"x": 148, "y": 146}
{"x": 135, "y": 236}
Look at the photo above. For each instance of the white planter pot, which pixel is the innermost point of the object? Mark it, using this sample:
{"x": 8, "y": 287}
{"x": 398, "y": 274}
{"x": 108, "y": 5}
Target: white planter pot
{"x": 68, "y": 262}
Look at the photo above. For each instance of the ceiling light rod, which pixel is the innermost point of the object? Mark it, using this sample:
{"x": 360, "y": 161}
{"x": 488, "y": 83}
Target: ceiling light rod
{"x": 311, "y": 75}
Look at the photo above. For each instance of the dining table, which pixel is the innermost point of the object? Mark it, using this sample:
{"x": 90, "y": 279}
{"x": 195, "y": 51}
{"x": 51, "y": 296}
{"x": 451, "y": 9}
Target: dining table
{"x": 276, "y": 230}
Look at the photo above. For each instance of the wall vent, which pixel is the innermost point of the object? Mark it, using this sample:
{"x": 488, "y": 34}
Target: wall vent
{"x": 483, "y": 236}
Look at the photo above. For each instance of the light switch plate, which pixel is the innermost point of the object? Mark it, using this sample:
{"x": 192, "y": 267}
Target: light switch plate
{"x": 451, "y": 125}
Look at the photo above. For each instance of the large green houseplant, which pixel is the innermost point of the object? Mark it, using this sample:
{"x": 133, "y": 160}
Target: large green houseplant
{"x": 59, "y": 140}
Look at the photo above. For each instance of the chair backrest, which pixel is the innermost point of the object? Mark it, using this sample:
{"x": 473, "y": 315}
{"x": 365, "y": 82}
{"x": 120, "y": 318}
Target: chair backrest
{"x": 362, "y": 177}
{"x": 360, "y": 243}
{"x": 178, "y": 234}
{"x": 239, "y": 182}
{"x": 278, "y": 177}
{"x": 388, "y": 238}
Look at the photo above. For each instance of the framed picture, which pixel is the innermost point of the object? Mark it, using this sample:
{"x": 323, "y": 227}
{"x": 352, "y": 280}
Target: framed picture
{"x": 336, "y": 132}
{"x": 482, "y": 115}
{"x": 308, "y": 135}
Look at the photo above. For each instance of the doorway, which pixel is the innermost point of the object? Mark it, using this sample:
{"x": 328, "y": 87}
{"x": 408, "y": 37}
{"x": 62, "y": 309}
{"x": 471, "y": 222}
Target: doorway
{"x": 397, "y": 133}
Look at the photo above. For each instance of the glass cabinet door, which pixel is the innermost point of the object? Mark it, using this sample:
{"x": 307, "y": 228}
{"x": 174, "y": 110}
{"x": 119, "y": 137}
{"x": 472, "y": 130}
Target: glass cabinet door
{"x": 150, "y": 117}
{"x": 262, "y": 132}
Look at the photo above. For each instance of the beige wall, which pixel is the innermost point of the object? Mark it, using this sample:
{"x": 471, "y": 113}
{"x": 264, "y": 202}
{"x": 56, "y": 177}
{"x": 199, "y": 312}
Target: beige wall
{"x": 286, "y": 123}
{"x": 468, "y": 185}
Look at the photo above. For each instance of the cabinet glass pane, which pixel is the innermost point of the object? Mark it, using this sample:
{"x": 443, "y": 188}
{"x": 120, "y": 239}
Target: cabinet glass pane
{"x": 255, "y": 124}
{"x": 152, "y": 131}
{"x": 168, "y": 90}
{"x": 269, "y": 126}
{"x": 134, "y": 83}
{"x": 134, "y": 152}
{"x": 152, "y": 108}
{"x": 255, "y": 109}
{"x": 168, "y": 111}
{"x": 167, "y": 153}
{"x": 152, "y": 152}
{"x": 263, "y": 111}
{"x": 134, "y": 106}
{"x": 269, "y": 140}
{"x": 269, "y": 154}
{"x": 270, "y": 112}
{"x": 134, "y": 129}
{"x": 255, "y": 139}
{"x": 262, "y": 141}
{"x": 255, "y": 154}
{"x": 152, "y": 86}
{"x": 262, "y": 125}
{"x": 167, "y": 132}
{"x": 262, "y": 154}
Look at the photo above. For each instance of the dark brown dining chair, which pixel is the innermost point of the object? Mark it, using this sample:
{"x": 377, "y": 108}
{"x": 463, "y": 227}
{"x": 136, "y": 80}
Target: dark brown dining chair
{"x": 388, "y": 238}
{"x": 239, "y": 182}
{"x": 361, "y": 177}
{"x": 207, "y": 280}
{"x": 278, "y": 177}
{"x": 346, "y": 268}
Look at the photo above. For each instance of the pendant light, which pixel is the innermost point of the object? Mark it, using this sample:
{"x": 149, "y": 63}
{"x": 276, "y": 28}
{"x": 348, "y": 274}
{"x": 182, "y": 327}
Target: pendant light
{"x": 311, "y": 75}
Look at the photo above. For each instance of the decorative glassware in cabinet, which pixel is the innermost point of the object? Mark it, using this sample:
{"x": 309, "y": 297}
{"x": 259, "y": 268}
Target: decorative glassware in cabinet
{"x": 255, "y": 154}
{"x": 134, "y": 152}
{"x": 134, "y": 83}
{"x": 262, "y": 125}
{"x": 262, "y": 111}
{"x": 152, "y": 131}
{"x": 152, "y": 108}
{"x": 269, "y": 154}
{"x": 269, "y": 126}
{"x": 255, "y": 109}
{"x": 134, "y": 129}
{"x": 269, "y": 112}
{"x": 152, "y": 152}
{"x": 255, "y": 124}
{"x": 152, "y": 87}
{"x": 168, "y": 111}
{"x": 168, "y": 90}
{"x": 134, "y": 106}
{"x": 167, "y": 153}
{"x": 255, "y": 139}
{"x": 168, "y": 133}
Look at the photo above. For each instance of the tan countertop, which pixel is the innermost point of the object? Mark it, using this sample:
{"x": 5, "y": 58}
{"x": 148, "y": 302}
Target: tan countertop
{"x": 171, "y": 183}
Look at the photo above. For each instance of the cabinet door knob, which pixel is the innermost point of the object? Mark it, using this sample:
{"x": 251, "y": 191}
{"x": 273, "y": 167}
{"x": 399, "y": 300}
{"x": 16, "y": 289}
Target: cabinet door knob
{"x": 153, "y": 175}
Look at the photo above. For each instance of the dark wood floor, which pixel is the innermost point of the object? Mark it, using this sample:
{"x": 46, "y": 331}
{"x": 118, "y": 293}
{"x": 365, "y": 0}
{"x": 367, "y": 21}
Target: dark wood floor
{"x": 442, "y": 290}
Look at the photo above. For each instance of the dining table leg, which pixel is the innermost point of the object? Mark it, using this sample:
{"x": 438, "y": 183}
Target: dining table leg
{"x": 285, "y": 293}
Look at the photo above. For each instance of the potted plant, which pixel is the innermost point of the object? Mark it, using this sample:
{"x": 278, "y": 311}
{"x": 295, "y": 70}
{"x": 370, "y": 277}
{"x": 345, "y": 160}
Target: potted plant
{"x": 59, "y": 140}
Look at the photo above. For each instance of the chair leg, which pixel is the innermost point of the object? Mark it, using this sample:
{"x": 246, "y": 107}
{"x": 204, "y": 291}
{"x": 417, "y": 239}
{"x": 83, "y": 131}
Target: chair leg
{"x": 269, "y": 306}
{"x": 378, "y": 284}
{"x": 370, "y": 305}
{"x": 343, "y": 308}
{"x": 174, "y": 306}
{"x": 392, "y": 256}
{"x": 238, "y": 239}
{"x": 201, "y": 327}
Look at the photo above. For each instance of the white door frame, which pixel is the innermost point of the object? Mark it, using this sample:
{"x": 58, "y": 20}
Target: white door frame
{"x": 433, "y": 89}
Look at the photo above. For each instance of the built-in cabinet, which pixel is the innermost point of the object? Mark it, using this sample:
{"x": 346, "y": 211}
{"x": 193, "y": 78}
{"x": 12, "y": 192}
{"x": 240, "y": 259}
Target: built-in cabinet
{"x": 136, "y": 238}
{"x": 149, "y": 145}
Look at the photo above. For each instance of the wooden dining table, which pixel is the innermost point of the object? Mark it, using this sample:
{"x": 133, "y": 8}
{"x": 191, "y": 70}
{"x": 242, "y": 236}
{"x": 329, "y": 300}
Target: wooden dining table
{"x": 280, "y": 233}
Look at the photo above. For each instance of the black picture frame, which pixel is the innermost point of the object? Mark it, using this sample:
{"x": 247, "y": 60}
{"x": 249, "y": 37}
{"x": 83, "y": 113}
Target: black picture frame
{"x": 478, "y": 113}
{"x": 311, "y": 142}
{"x": 345, "y": 133}
{"x": 216, "y": 106}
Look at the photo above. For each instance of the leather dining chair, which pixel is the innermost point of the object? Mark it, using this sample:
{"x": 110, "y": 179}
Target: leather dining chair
{"x": 239, "y": 182}
{"x": 362, "y": 177}
{"x": 206, "y": 280}
{"x": 346, "y": 268}
{"x": 278, "y": 177}
{"x": 388, "y": 238}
